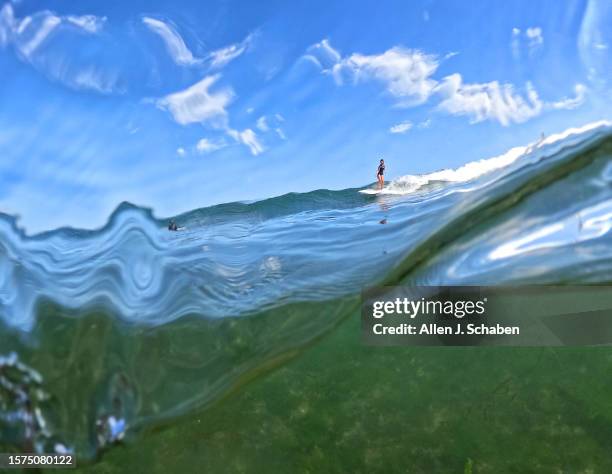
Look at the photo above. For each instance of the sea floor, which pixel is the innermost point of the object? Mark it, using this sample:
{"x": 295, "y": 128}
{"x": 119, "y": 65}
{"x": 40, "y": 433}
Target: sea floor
{"x": 344, "y": 407}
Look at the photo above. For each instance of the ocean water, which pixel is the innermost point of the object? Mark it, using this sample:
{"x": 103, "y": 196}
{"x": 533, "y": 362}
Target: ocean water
{"x": 107, "y": 335}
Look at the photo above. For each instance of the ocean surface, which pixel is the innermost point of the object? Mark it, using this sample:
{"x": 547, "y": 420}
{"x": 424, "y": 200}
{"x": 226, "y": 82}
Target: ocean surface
{"x": 106, "y": 335}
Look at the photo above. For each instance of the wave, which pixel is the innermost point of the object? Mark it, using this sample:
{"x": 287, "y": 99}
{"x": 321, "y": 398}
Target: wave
{"x": 412, "y": 183}
{"x": 132, "y": 325}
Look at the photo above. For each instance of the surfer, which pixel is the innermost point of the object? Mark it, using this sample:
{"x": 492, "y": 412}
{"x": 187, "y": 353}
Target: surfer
{"x": 380, "y": 174}
{"x": 172, "y": 225}
{"x": 537, "y": 144}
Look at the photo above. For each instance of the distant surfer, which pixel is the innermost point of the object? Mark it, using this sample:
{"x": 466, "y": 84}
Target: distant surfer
{"x": 172, "y": 225}
{"x": 537, "y": 144}
{"x": 380, "y": 174}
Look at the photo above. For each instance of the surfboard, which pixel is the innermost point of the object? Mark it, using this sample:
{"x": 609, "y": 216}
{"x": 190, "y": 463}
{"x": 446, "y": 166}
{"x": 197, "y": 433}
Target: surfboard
{"x": 373, "y": 191}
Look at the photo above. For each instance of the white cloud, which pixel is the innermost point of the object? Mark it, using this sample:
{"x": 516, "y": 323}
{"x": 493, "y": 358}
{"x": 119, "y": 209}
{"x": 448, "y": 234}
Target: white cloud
{"x": 402, "y": 127}
{"x": 280, "y": 133}
{"x": 270, "y": 123}
{"x": 323, "y": 55}
{"x": 180, "y": 151}
{"x": 571, "y": 102}
{"x": 534, "y": 35}
{"x": 197, "y": 104}
{"x": 516, "y": 43}
{"x": 488, "y": 101}
{"x": 175, "y": 45}
{"x": 223, "y": 56}
{"x": 89, "y": 23}
{"x": 408, "y": 76}
{"x": 7, "y": 24}
{"x": 95, "y": 80}
{"x": 183, "y": 56}
{"x": 249, "y": 138}
{"x": 262, "y": 124}
{"x": 424, "y": 124}
{"x": 500, "y": 102}
{"x": 207, "y": 146}
{"x": 29, "y": 35}
{"x": 406, "y": 73}
{"x": 49, "y": 23}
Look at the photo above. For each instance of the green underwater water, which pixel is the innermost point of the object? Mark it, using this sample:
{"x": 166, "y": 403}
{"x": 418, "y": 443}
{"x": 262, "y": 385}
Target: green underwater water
{"x": 341, "y": 406}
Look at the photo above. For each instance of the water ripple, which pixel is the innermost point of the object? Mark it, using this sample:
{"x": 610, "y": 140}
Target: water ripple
{"x": 142, "y": 324}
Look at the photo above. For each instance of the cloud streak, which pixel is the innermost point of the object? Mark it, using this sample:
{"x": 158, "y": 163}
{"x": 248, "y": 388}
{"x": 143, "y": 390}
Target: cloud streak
{"x": 262, "y": 124}
{"x": 572, "y": 102}
{"x": 29, "y": 37}
{"x": 29, "y": 33}
{"x": 175, "y": 45}
{"x": 249, "y": 138}
{"x": 401, "y": 128}
{"x": 182, "y": 55}
{"x": 272, "y": 124}
{"x": 533, "y": 36}
{"x": 205, "y": 146}
{"x": 223, "y": 56}
{"x": 90, "y": 23}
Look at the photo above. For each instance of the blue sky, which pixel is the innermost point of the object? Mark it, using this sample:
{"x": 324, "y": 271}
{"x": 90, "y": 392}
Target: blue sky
{"x": 178, "y": 105}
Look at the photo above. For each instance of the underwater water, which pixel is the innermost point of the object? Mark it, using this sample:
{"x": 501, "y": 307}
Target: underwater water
{"x": 109, "y": 334}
